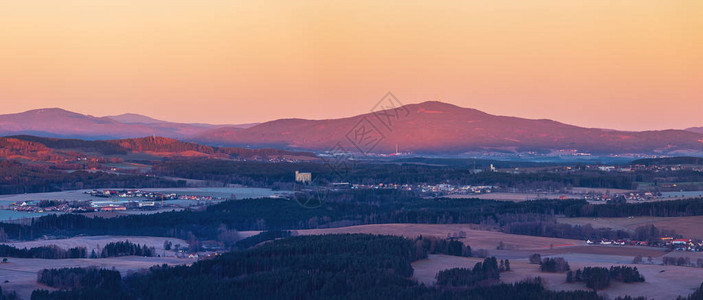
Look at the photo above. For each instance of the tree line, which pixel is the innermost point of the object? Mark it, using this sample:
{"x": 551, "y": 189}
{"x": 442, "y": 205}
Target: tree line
{"x": 20, "y": 178}
{"x": 45, "y": 252}
{"x": 126, "y": 248}
{"x": 598, "y": 278}
{"x": 357, "y": 266}
{"x": 488, "y": 270}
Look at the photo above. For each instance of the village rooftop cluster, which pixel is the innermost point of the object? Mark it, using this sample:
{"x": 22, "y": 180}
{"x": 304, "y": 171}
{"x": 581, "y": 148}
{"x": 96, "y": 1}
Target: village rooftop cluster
{"x": 116, "y": 200}
{"x": 678, "y": 244}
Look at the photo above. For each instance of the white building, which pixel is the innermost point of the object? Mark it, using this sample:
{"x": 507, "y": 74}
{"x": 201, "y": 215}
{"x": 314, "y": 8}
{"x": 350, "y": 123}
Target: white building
{"x": 303, "y": 177}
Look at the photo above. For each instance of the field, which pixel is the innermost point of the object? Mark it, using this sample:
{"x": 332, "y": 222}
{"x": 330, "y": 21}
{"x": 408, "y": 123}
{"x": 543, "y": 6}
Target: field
{"x": 478, "y": 239}
{"x": 95, "y": 242}
{"x": 662, "y": 282}
{"x": 20, "y": 274}
{"x": 690, "y": 227}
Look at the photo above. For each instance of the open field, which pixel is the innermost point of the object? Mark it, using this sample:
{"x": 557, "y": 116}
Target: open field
{"x": 21, "y": 273}
{"x": 691, "y": 227}
{"x": 673, "y": 281}
{"x": 662, "y": 282}
{"x": 94, "y": 242}
{"x": 478, "y": 239}
{"x": 608, "y": 250}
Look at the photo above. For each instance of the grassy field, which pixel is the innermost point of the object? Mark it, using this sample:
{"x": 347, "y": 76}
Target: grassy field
{"x": 662, "y": 282}
{"x": 96, "y": 242}
{"x": 21, "y": 274}
{"x": 478, "y": 239}
{"x": 691, "y": 227}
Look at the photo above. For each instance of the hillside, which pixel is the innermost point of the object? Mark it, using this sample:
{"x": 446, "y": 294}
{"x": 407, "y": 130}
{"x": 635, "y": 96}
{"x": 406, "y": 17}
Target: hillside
{"x": 40, "y": 148}
{"x": 425, "y": 128}
{"x": 59, "y": 123}
{"x": 436, "y": 127}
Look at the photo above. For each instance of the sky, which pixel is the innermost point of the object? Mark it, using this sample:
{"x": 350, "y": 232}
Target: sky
{"x": 621, "y": 64}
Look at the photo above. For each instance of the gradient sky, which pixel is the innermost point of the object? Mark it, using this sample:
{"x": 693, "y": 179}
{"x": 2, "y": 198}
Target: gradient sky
{"x": 630, "y": 65}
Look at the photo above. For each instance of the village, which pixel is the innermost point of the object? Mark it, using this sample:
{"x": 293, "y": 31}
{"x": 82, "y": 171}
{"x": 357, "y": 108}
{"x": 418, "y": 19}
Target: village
{"x": 671, "y": 243}
{"x": 116, "y": 200}
{"x": 442, "y": 189}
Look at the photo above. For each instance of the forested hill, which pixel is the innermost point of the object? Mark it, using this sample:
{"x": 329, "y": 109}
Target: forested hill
{"x": 348, "y": 266}
{"x": 31, "y": 146}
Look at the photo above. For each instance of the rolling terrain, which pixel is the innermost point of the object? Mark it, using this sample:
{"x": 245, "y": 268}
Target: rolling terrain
{"x": 60, "y": 123}
{"x": 40, "y": 149}
{"x": 437, "y": 127}
{"x": 425, "y": 128}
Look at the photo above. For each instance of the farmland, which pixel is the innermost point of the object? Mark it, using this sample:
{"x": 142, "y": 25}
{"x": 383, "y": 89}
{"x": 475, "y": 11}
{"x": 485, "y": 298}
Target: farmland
{"x": 691, "y": 227}
{"x": 21, "y": 274}
{"x": 662, "y": 282}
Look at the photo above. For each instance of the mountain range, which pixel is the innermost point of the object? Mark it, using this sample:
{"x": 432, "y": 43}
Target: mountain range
{"x": 60, "y": 123}
{"x": 429, "y": 127}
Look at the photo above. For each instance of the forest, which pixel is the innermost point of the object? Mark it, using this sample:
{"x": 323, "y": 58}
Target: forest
{"x": 45, "y": 252}
{"x": 70, "y": 278}
{"x": 8, "y": 295}
{"x": 126, "y": 248}
{"x": 482, "y": 273}
{"x": 20, "y": 178}
{"x": 598, "y": 278}
{"x": 350, "y": 266}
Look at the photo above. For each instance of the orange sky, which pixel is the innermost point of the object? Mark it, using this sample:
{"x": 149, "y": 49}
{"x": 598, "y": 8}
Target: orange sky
{"x": 599, "y": 63}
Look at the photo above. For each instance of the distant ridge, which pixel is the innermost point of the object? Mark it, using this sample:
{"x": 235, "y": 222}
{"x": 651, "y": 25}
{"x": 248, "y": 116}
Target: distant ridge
{"x": 44, "y": 149}
{"x": 426, "y": 128}
{"x": 442, "y": 128}
{"x": 130, "y": 118}
{"x": 60, "y": 123}
{"x": 135, "y": 119}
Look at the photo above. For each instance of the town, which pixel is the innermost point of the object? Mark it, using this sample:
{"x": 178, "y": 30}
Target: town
{"x": 117, "y": 200}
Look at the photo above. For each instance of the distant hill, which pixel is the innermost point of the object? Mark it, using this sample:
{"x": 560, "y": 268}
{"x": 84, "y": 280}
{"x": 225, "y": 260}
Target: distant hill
{"x": 436, "y": 127}
{"x": 135, "y": 119}
{"x": 45, "y": 149}
{"x": 60, "y": 123}
{"x": 142, "y": 119}
{"x": 425, "y": 128}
